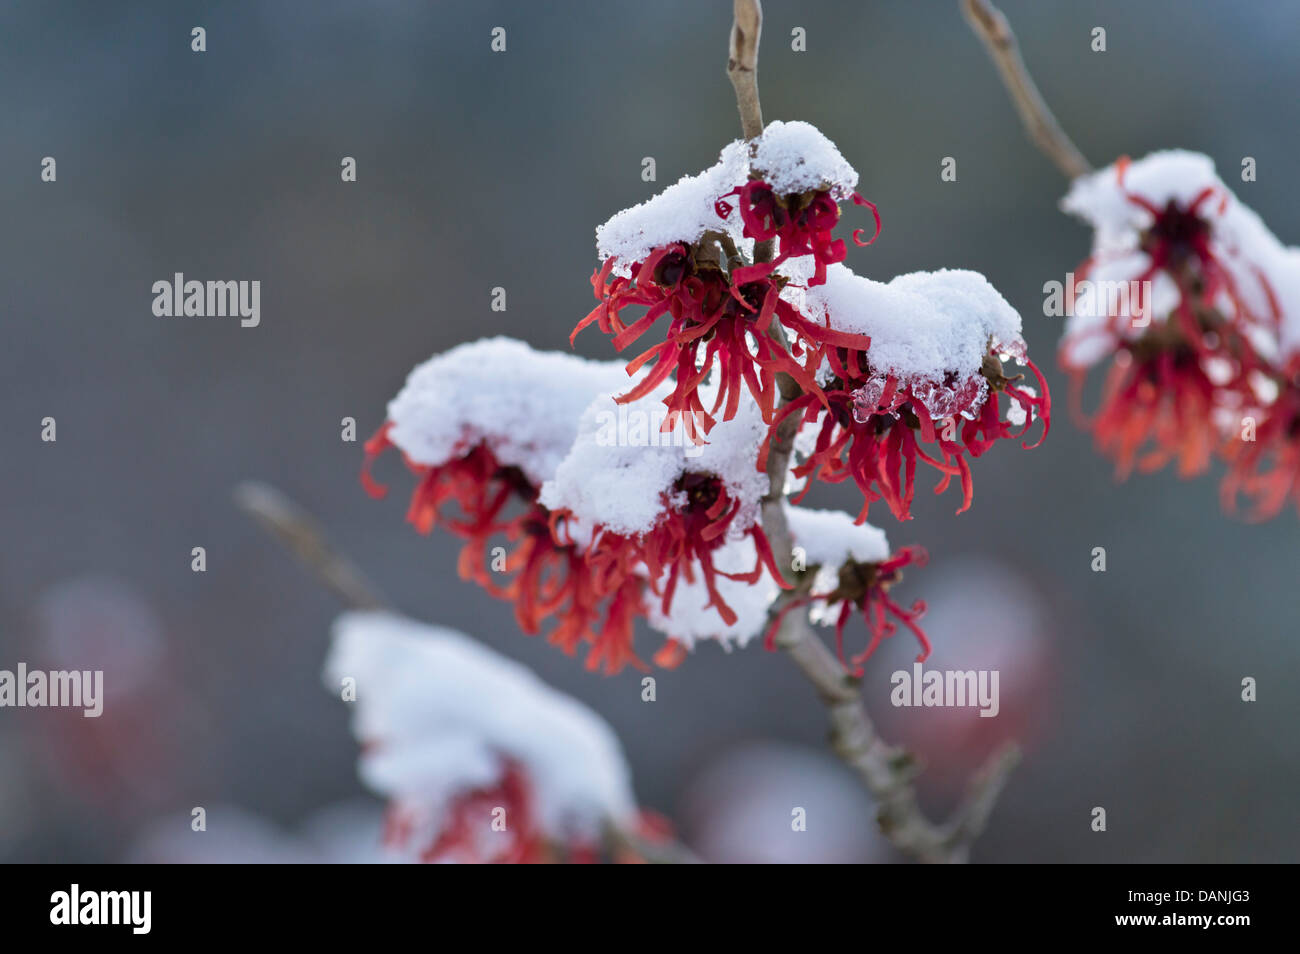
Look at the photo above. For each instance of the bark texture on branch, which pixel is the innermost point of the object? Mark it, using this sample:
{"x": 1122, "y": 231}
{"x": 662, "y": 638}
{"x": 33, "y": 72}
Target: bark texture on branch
{"x": 742, "y": 64}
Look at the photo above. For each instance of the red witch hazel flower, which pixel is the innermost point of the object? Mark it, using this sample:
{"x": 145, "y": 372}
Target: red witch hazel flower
{"x": 551, "y": 578}
{"x": 684, "y": 254}
{"x": 455, "y": 735}
{"x": 930, "y": 387}
{"x": 1181, "y": 289}
{"x": 797, "y": 181}
{"x": 664, "y": 510}
{"x": 482, "y": 427}
{"x": 693, "y": 617}
{"x": 460, "y": 836}
{"x": 1264, "y": 452}
{"x": 854, "y": 572}
{"x": 1265, "y": 465}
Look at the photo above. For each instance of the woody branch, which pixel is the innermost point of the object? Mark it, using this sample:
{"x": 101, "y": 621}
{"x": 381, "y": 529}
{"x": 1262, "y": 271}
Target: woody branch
{"x": 1046, "y": 133}
{"x": 742, "y": 64}
{"x": 886, "y": 771}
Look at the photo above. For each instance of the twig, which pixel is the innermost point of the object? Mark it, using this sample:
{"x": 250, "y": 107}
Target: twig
{"x": 742, "y": 70}
{"x": 972, "y": 816}
{"x": 742, "y": 64}
{"x": 992, "y": 28}
{"x": 885, "y": 771}
{"x": 305, "y": 539}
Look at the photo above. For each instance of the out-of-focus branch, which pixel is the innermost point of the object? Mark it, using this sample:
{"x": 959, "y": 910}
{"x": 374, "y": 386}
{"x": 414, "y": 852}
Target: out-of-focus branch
{"x": 742, "y": 64}
{"x": 304, "y": 538}
{"x": 993, "y": 29}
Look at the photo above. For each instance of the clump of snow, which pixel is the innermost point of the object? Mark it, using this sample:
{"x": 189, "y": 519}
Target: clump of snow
{"x": 439, "y": 713}
{"x": 791, "y": 157}
{"x": 795, "y": 157}
{"x": 523, "y": 404}
{"x": 1170, "y": 175}
{"x": 683, "y": 212}
{"x": 923, "y": 326}
{"x": 620, "y": 466}
{"x": 690, "y": 618}
{"x": 829, "y": 538}
{"x": 1017, "y": 414}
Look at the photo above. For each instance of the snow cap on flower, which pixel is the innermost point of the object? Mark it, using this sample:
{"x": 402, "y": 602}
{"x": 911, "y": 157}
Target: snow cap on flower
{"x": 924, "y": 326}
{"x": 828, "y": 540}
{"x": 830, "y": 537}
{"x": 1104, "y": 200}
{"x": 795, "y": 157}
{"x": 621, "y": 465}
{"x": 791, "y": 157}
{"x": 855, "y": 573}
{"x": 683, "y": 212}
{"x": 442, "y": 716}
{"x": 523, "y": 404}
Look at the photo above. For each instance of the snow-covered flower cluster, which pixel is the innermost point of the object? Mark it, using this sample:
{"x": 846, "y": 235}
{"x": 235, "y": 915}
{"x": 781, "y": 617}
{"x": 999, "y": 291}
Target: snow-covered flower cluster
{"x": 854, "y": 570}
{"x": 603, "y": 524}
{"x": 480, "y": 761}
{"x": 883, "y": 368}
{"x": 1203, "y": 333}
{"x": 932, "y": 376}
{"x": 687, "y": 254}
{"x": 768, "y": 337}
{"x": 663, "y": 516}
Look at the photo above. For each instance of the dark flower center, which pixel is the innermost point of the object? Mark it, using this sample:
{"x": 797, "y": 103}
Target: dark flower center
{"x": 672, "y": 268}
{"x": 767, "y": 206}
{"x": 856, "y": 580}
{"x": 753, "y": 293}
{"x": 514, "y": 478}
{"x": 702, "y": 491}
{"x": 1177, "y": 231}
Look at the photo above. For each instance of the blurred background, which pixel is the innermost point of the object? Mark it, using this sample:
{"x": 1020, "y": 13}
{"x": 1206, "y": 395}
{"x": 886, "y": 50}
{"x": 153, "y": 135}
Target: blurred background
{"x": 479, "y": 169}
